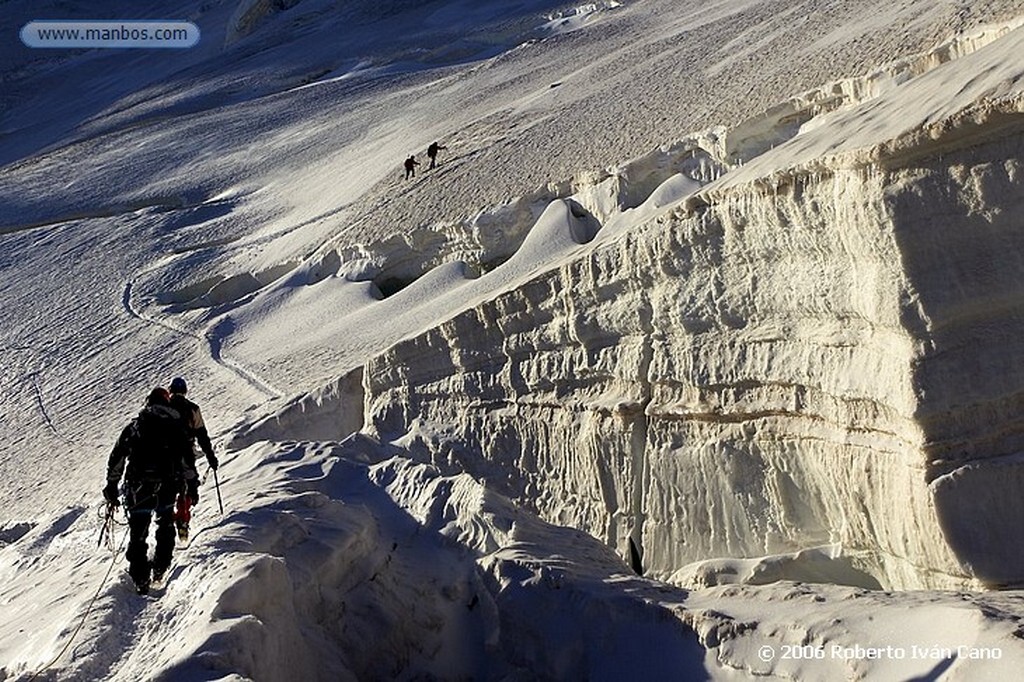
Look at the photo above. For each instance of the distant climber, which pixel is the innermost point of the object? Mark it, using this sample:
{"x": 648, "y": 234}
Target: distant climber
{"x": 410, "y": 167}
{"x": 195, "y": 429}
{"x": 153, "y": 446}
{"x": 432, "y": 153}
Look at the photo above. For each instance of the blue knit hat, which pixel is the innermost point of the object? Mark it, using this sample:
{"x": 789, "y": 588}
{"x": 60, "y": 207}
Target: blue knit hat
{"x": 178, "y": 385}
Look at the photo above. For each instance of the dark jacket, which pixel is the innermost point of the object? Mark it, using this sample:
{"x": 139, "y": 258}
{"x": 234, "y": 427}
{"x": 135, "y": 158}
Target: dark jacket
{"x": 195, "y": 428}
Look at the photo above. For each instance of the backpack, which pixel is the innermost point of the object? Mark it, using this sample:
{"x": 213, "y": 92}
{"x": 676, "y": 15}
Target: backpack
{"x": 156, "y": 446}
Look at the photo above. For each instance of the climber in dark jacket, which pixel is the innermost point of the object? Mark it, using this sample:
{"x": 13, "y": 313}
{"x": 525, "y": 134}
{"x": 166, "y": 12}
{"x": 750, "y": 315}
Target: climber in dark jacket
{"x": 195, "y": 428}
{"x": 150, "y": 453}
{"x": 432, "y": 153}
{"x": 410, "y": 167}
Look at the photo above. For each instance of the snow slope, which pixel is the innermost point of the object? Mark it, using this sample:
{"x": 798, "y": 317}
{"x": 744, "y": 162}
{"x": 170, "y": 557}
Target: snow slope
{"x": 643, "y": 296}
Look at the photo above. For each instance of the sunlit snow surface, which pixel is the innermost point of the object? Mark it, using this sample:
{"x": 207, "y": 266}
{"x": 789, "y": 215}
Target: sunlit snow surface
{"x": 232, "y": 213}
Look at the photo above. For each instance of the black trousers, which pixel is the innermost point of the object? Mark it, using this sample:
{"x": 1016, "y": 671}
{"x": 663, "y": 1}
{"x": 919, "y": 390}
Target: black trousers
{"x": 143, "y": 499}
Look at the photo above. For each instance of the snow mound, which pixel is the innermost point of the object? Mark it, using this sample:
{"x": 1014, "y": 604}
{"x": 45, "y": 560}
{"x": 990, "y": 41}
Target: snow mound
{"x": 815, "y": 565}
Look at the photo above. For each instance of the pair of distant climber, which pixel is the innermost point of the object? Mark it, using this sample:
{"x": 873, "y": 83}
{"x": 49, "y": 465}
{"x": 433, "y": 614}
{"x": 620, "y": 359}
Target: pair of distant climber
{"x": 411, "y": 162}
{"x": 156, "y": 455}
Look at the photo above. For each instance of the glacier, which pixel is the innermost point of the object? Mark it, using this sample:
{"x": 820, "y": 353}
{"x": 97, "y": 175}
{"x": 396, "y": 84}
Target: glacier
{"x": 699, "y": 343}
{"x": 771, "y": 363}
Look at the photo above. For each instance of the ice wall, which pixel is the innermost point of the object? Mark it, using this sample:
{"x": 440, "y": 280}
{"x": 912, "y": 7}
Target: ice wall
{"x": 819, "y": 354}
{"x": 728, "y": 382}
{"x": 960, "y": 230}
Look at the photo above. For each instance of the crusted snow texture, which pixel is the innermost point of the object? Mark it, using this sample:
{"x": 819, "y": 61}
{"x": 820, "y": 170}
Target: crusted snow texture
{"x": 822, "y": 355}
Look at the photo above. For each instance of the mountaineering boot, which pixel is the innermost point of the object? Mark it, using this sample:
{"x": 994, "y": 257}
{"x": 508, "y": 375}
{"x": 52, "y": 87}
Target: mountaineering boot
{"x": 158, "y": 574}
{"x": 139, "y": 572}
{"x": 183, "y": 532}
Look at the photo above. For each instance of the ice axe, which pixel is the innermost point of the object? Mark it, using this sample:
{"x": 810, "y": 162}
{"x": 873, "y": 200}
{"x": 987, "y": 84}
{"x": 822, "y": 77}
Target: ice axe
{"x": 216, "y": 485}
